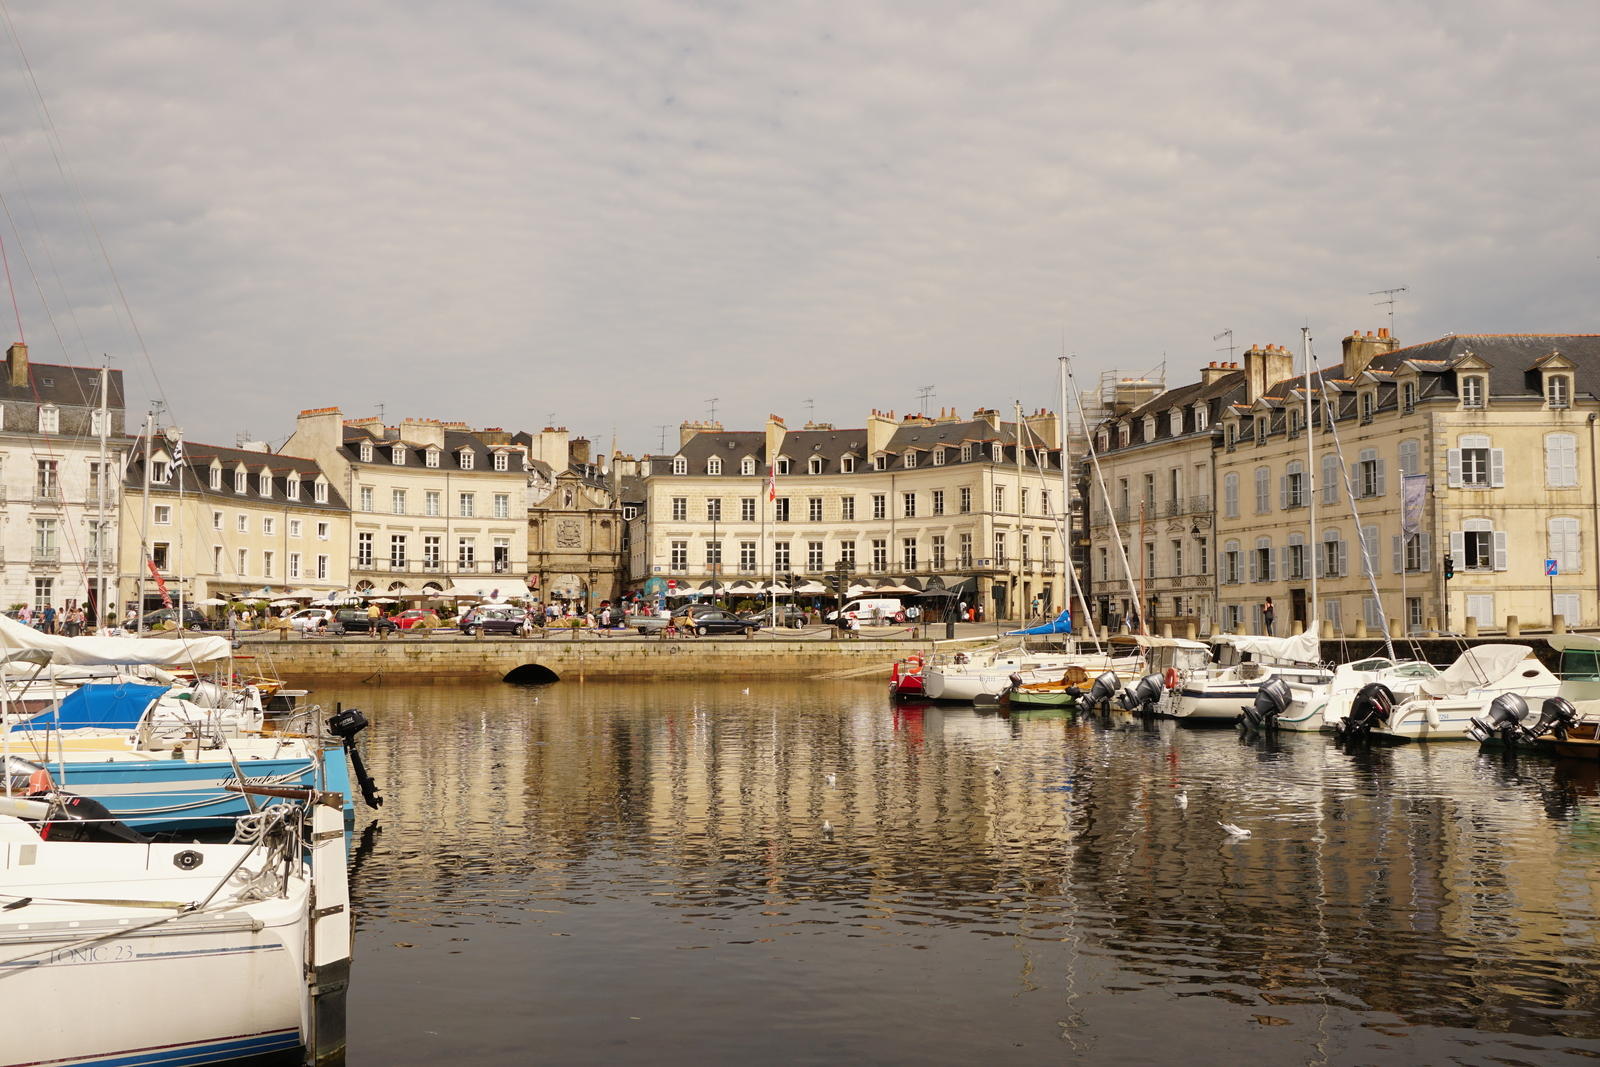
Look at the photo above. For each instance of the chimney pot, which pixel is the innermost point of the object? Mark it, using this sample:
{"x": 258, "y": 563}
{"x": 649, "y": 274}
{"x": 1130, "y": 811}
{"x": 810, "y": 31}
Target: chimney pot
{"x": 1383, "y": 331}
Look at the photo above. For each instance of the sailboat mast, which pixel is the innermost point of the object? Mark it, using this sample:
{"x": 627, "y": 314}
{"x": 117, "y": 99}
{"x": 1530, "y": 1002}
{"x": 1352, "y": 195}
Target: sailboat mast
{"x": 1016, "y": 589}
{"x": 100, "y": 494}
{"x": 1311, "y": 483}
{"x": 1067, "y": 560}
{"x": 144, "y": 532}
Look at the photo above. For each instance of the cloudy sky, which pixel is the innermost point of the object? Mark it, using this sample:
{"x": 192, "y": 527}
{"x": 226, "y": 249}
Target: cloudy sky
{"x": 614, "y": 211}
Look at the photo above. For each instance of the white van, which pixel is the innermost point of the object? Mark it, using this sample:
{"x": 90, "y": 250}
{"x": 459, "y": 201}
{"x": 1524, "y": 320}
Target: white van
{"x": 883, "y": 609}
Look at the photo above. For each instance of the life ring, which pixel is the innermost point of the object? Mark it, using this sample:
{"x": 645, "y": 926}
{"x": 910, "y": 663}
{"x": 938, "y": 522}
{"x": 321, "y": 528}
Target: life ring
{"x": 1171, "y": 677}
{"x": 913, "y": 664}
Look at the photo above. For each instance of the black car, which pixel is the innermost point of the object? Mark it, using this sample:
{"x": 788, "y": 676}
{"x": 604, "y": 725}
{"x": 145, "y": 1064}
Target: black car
{"x": 496, "y": 621}
{"x": 356, "y": 621}
{"x": 157, "y": 620}
{"x": 717, "y": 621}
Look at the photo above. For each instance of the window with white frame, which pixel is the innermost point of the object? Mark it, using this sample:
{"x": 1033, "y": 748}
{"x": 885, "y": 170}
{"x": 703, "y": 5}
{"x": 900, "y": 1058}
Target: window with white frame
{"x": 1199, "y": 417}
{"x": 162, "y": 515}
{"x": 324, "y": 530}
{"x": 1295, "y": 558}
{"x": 269, "y": 525}
{"x": 319, "y": 492}
{"x": 938, "y": 502}
{"x": 291, "y": 486}
{"x": 847, "y": 464}
{"x": 397, "y": 455}
{"x": 241, "y": 524}
{"x": 783, "y": 465}
{"x": 997, "y": 452}
{"x": 264, "y": 484}
{"x": 1292, "y": 485}
{"x": 847, "y": 508}
{"x": 880, "y": 463}
{"x": 880, "y": 554}
{"x": 1564, "y": 545}
{"x": 1474, "y": 464}
{"x": 430, "y": 458}
{"x": 1175, "y": 422}
{"x": 814, "y": 465}
{"x": 397, "y": 501}
{"x": 242, "y": 562}
{"x": 216, "y": 478}
{"x": 1263, "y": 561}
{"x": 502, "y": 461}
{"x": 49, "y": 419}
{"x": 680, "y": 508}
{"x": 430, "y": 503}
{"x": 397, "y": 551}
{"x": 1369, "y": 474}
{"x": 908, "y": 553}
{"x": 1230, "y": 495}
{"x": 714, "y": 465}
{"x": 966, "y": 499}
{"x": 1478, "y": 546}
{"x": 1408, "y": 397}
{"x": 910, "y": 458}
{"x": 714, "y": 509}
{"x": 216, "y": 520}
{"x": 467, "y": 553}
{"x": 1561, "y": 460}
{"x": 294, "y": 566}
{"x": 747, "y": 466}
{"x": 241, "y": 481}
{"x": 364, "y": 550}
{"x": 294, "y": 527}
{"x": 1557, "y": 388}
{"x": 999, "y": 498}
{"x": 266, "y": 564}
{"x": 1369, "y": 405}
{"x": 880, "y": 506}
{"x": 502, "y": 505}
{"x": 467, "y": 459}
{"x": 466, "y": 505}
{"x": 815, "y": 559}
{"x": 966, "y": 453}
{"x": 999, "y": 550}
{"x": 679, "y": 559}
{"x": 432, "y": 550}
{"x": 1471, "y": 391}
{"x": 938, "y": 457}
{"x": 322, "y": 568}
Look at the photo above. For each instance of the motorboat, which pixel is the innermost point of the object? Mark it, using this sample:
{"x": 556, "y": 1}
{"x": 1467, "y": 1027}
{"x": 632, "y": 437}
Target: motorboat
{"x": 192, "y": 953}
{"x": 1220, "y": 686}
{"x": 906, "y": 681}
{"x": 1567, "y": 725}
{"x": 1308, "y": 709}
{"x": 1443, "y": 708}
{"x": 965, "y": 676}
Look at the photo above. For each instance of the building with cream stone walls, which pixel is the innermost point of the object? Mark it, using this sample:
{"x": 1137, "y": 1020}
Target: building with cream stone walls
{"x": 434, "y": 505}
{"x": 577, "y": 533}
{"x": 1501, "y": 430}
{"x": 901, "y": 501}
{"x": 244, "y": 523}
{"x": 50, "y": 508}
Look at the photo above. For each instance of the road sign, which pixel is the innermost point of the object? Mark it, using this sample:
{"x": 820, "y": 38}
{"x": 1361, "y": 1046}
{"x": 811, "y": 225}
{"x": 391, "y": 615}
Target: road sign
{"x": 1550, "y": 570}
{"x": 672, "y": 583}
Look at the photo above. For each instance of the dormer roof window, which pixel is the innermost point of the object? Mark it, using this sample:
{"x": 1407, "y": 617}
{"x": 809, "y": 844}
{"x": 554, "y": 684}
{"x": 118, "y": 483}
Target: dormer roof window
{"x": 1557, "y": 390}
{"x": 680, "y": 465}
{"x": 397, "y": 455}
{"x": 714, "y": 465}
{"x": 241, "y": 480}
{"x": 814, "y": 465}
{"x": 747, "y": 466}
{"x": 466, "y": 458}
{"x": 1471, "y": 391}
{"x": 430, "y": 458}
{"x": 366, "y": 451}
{"x": 910, "y": 458}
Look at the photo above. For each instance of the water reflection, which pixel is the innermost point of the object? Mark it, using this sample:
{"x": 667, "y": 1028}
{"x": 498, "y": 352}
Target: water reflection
{"x": 1025, "y": 884}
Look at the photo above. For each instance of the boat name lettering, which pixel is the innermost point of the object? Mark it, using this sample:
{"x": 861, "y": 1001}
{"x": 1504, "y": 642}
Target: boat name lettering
{"x": 268, "y": 779}
{"x": 93, "y": 954}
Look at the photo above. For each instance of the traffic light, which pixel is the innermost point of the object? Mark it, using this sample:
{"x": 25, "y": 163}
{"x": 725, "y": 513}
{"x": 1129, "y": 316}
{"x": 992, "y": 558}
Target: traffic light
{"x": 1449, "y": 568}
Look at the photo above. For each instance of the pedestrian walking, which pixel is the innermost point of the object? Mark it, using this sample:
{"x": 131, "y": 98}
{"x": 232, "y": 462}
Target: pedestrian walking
{"x": 1268, "y": 616}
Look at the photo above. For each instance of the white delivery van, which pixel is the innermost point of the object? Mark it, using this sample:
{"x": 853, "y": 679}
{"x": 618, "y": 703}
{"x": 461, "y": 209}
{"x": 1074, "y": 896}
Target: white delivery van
{"x": 869, "y": 609}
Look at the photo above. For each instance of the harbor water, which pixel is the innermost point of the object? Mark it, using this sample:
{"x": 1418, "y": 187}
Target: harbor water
{"x": 633, "y": 873}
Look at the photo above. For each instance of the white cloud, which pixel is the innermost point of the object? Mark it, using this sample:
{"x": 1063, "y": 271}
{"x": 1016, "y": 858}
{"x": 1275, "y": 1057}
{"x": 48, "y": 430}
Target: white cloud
{"x": 493, "y": 212}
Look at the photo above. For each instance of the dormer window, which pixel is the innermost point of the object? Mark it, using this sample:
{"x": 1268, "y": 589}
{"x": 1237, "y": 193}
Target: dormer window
{"x": 430, "y": 458}
{"x": 366, "y": 452}
{"x": 1104, "y": 442}
{"x": 910, "y": 458}
{"x": 880, "y": 463}
{"x": 264, "y": 483}
{"x": 1233, "y": 434}
{"x": 241, "y": 481}
{"x": 1557, "y": 388}
{"x": 1261, "y": 430}
{"x": 1408, "y": 397}
{"x": 216, "y": 478}
{"x": 319, "y": 492}
{"x": 814, "y": 465}
{"x": 1294, "y": 422}
{"x": 747, "y": 466}
{"x": 1124, "y": 435}
{"x": 783, "y": 466}
{"x": 1199, "y": 417}
{"x": 938, "y": 457}
{"x": 997, "y": 452}
{"x": 466, "y": 456}
{"x": 847, "y": 465}
{"x": 966, "y": 453}
{"x": 397, "y": 455}
{"x": 1369, "y": 405}
{"x": 1175, "y": 424}
{"x": 160, "y": 473}
{"x": 502, "y": 461}
{"x": 49, "y": 419}
{"x": 714, "y": 465}
{"x": 680, "y": 465}
{"x": 291, "y": 487}
{"x": 1149, "y": 427}
{"x": 97, "y": 423}
{"x": 1472, "y": 391}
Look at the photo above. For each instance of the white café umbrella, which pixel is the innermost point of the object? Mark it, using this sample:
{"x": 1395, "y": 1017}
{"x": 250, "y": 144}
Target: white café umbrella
{"x": 210, "y": 602}
{"x": 383, "y": 600}
{"x": 281, "y": 603}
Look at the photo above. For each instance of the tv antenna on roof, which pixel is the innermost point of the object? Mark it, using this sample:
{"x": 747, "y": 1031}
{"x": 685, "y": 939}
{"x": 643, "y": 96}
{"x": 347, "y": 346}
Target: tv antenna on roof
{"x": 924, "y": 395}
{"x": 811, "y": 410}
{"x": 663, "y": 429}
{"x": 713, "y": 405}
{"x": 1390, "y": 293}
{"x": 1230, "y": 346}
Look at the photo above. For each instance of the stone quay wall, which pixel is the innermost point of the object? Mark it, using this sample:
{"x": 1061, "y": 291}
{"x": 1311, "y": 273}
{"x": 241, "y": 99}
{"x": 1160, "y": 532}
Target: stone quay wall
{"x": 490, "y": 659}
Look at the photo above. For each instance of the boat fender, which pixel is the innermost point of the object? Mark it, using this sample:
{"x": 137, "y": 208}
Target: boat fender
{"x": 1171, "y": 677}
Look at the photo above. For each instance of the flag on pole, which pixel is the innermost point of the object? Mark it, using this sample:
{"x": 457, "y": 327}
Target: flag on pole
{"x": 177, "y": 451}
{"x": 772, "y": 480}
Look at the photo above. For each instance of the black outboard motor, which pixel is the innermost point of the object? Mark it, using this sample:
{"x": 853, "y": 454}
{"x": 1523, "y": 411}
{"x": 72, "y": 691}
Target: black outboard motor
{"x": 1272, "y": 700}
{"x": 1372, "y": 705}
{"x": 1100, "y": 694}
{"x": 75, "y": 818}
{"x": 1143, "y": 697}
{"x": 1557, "y": 716}
{"x": 345, "y": 724}
{"x": 1503, "y": 722}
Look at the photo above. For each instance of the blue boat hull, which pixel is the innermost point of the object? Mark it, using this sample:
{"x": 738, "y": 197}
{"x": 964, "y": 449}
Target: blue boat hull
{"x": 186, "y": 795}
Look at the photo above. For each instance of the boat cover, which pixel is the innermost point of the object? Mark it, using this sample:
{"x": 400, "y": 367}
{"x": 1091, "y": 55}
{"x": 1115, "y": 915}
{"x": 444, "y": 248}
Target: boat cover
{"x": 1061, "y": 624}
{"x": 183, "y": 650}
{"x": 1476, "y": 667}
{"x": 1301, "y": 648}
{"x": 118, "y": 706}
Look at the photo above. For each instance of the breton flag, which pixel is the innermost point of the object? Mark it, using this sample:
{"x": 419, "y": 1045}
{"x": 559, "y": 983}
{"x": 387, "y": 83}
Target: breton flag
{"x": 177, "y": 451}
{"x": 772, "y": 480}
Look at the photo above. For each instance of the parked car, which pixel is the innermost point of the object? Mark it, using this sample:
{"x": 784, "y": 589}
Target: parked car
{"x": 788, "y": 615}
{"x": 309, "y": 618}
{"x": 356, "y": 621}
{"x": 654, "y": 624}
{"x": 870, "y": 610}
{"x": 718, "y": 621}
{"x": 192, "y": 619}
{"x": 413, "y": 617}
{"x": 497, "y": 620}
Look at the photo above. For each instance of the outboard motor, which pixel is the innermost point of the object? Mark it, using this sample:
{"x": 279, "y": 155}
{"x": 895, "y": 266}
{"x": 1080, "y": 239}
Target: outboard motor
{"x": 1100, "y": 694}
{"x": 1372, "y": 705}
{"x": 1503, "y": 721}
{"x": 345, "y": 724}
{"x": 1272, "y": 700}
{"x": 1556, "y": 716}
{"x": 26, "y": 777}
{"x": 1143, "y": 697}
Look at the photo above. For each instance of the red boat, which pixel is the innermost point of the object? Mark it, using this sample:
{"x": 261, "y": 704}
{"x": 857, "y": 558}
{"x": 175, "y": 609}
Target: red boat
{"x": 905, "y": 682}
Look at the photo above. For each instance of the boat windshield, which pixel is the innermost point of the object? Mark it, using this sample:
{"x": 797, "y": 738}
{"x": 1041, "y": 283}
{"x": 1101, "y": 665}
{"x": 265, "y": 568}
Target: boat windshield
{"x": 1580, "y": 665}
{"x": 1414, "y": 669}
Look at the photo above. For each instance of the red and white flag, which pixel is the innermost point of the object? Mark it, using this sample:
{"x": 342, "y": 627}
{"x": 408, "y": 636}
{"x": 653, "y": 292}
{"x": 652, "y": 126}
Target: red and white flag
{"x": 772, "y": 480}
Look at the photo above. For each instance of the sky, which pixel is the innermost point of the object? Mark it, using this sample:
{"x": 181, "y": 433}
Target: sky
{"x": 603, "y": 215}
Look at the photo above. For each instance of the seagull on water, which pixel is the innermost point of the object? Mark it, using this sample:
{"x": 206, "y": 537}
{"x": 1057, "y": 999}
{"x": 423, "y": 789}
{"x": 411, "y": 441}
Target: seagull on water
{"x": 1182, "y": 799}
{"x": 830, "y": 779}
{"x": 1236, "y": 831}
{"x": 746, "y": 692}
{"x": 827, "y": 829}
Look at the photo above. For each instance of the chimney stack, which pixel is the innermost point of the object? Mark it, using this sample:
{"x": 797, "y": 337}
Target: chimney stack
{"x": 17, "y": 360}
{"x": 1214, "y": 371}
{"x": 1359, "y": 350}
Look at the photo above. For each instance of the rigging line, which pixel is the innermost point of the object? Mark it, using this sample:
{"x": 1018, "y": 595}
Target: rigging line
{"x": 1368, "y": 563}
{"x": 22, "y": 247}
{"x": 1111, "y": 512}
{"x": 80, "y": 204}
{"x": 14, "y": 310}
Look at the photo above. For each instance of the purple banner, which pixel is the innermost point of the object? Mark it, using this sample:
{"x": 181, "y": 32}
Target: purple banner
{"x": 1413, "y": 492}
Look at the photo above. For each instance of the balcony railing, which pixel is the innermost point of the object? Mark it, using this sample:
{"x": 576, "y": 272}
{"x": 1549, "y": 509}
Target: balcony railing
{"x": 46, "y": 494}
{"x": 1200, "y": 505}
{"x": 46, "y": 555}
{"x": 1175, "y": 506}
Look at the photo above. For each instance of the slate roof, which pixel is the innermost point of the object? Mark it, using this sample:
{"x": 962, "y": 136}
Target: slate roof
{"x": 197, "y": 460}
{"x": 64, "y": 386}
{"x": 455, "y": 441}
